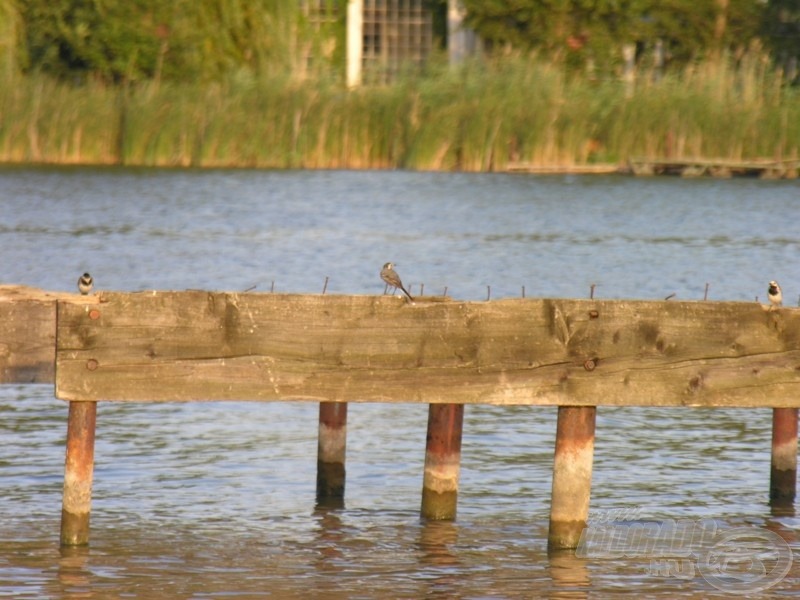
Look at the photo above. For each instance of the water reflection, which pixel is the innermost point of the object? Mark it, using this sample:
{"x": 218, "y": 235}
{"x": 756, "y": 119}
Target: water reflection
{"x": 329, "y": 539}
{"x": 435, "y": 541}
{"x": 782, "y": 508}
{"x": 74, "y": 576}
{"x": 570, "y": 575}
{"x": 438, "y": 557}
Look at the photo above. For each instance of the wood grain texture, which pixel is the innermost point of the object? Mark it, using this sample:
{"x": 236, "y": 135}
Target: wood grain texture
{"x": 196, "y": 345}
{"x": 28, "y": 333}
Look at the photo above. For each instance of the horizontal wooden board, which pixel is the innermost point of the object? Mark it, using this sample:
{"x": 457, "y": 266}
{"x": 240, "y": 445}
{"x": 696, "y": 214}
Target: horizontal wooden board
{"x": 28, "y": 333}
{"x": 196, "y": 345}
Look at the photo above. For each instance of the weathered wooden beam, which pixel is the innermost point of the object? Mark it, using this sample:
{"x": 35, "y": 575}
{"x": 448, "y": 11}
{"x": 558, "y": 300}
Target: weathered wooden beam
{"x": 78, "y": 473}
{"x": 197, "y": 345}
{"x": 28, "y": 333}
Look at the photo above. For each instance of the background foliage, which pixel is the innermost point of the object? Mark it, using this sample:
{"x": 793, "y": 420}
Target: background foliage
{"x": 578, "y": 31}
{"x": 186, "y": 40}
{"x": 132, "y": 40}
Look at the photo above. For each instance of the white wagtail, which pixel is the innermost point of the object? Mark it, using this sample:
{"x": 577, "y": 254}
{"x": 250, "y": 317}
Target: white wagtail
{"x": 85, "y": 283}
{"x": 390, "y": 276}
{"x": 774, "y": 294}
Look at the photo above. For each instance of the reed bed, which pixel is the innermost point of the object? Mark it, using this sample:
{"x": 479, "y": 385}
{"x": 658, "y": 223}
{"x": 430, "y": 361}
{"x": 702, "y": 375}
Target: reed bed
{"x": 477, "y": 117}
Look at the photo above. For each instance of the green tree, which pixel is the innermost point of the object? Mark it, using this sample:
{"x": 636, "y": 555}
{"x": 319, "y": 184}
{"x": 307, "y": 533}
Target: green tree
{"x": 781, "y": 27}
{"x": 556, "y": 27}
{"x": 595, "y": 29}
{"x": 111, "y": 39}
{"x": 694, "y": 29}
{"x": 10, "y": 33}
{"x": 124, "y": 40}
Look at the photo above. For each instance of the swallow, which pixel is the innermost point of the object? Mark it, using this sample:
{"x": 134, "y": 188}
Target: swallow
{"x": 774, "y": 294}
{"x": 85, "y": 283}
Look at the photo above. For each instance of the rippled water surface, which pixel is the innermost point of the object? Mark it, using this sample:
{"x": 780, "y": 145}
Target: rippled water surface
{"x": 217, "y": 499}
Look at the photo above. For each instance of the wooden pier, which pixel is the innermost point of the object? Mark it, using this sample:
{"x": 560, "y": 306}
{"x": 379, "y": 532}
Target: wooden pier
{"x": 574, "y": 354}
{"x": 683, "y": 167}
{"x": 565, "y": 169}
{"x": 720, "y": 168}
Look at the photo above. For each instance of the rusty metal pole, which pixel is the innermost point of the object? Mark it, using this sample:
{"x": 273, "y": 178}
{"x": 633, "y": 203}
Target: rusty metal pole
{"x": 572, "y": 476}
{"x": 783, "y": 472}
{"x": 331, "y": 449}
{"x": 442, "y": 461}
{"x": 78, "y": 469}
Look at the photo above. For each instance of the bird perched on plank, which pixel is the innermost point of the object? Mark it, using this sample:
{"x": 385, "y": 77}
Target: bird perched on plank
{"x": 390, "y": 276}
{"x": 774, "y": 294}
{"x": 85, "y": 283}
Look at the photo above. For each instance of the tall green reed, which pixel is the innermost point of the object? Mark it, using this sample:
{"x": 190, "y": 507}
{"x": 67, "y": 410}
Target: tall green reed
{"x": 478, "y": 116}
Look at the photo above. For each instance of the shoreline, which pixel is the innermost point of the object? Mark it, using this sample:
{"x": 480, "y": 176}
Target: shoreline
{"x": 761, "y": 168}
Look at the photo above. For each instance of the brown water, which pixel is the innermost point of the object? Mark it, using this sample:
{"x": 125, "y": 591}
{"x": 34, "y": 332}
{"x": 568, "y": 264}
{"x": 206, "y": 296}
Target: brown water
{"x": 215, "y": 500}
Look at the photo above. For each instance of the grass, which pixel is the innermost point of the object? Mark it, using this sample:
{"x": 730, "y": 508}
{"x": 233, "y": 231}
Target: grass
{"x": 476, "y": 117}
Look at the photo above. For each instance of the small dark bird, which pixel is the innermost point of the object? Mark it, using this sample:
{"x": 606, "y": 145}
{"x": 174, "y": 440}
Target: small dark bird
{"x": 390, "y": 276}
{"x": 85, "y": 283}
{"x": 774, "y": 294}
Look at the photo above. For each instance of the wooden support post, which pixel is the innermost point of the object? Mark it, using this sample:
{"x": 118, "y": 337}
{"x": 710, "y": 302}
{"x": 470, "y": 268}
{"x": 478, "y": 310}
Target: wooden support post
{"x": 442, "y": 461}
{"x": 783, "y": 473}
{"x": 331, "y": 450}
{"x": 572, "y": 475}
{"x": 78, "y": 469}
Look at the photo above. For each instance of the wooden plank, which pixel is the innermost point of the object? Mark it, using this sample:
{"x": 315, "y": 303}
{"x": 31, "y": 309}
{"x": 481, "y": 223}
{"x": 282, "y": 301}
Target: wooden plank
{"x": 717, "y": 167}
{"x": 28, "y": 333}
{"x": 198, "y": 345}
{"x": 581, "y": 169}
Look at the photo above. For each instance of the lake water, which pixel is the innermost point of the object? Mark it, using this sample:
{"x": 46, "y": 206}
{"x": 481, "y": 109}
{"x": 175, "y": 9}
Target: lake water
{"x": 216, "y": 500}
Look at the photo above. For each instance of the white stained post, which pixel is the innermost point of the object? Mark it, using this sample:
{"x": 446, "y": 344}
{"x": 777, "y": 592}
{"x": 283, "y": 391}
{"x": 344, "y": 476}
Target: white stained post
{"x": 629, "y": 70}
{"x": 355, "y": 41}
{"x": 461, "y": 42}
